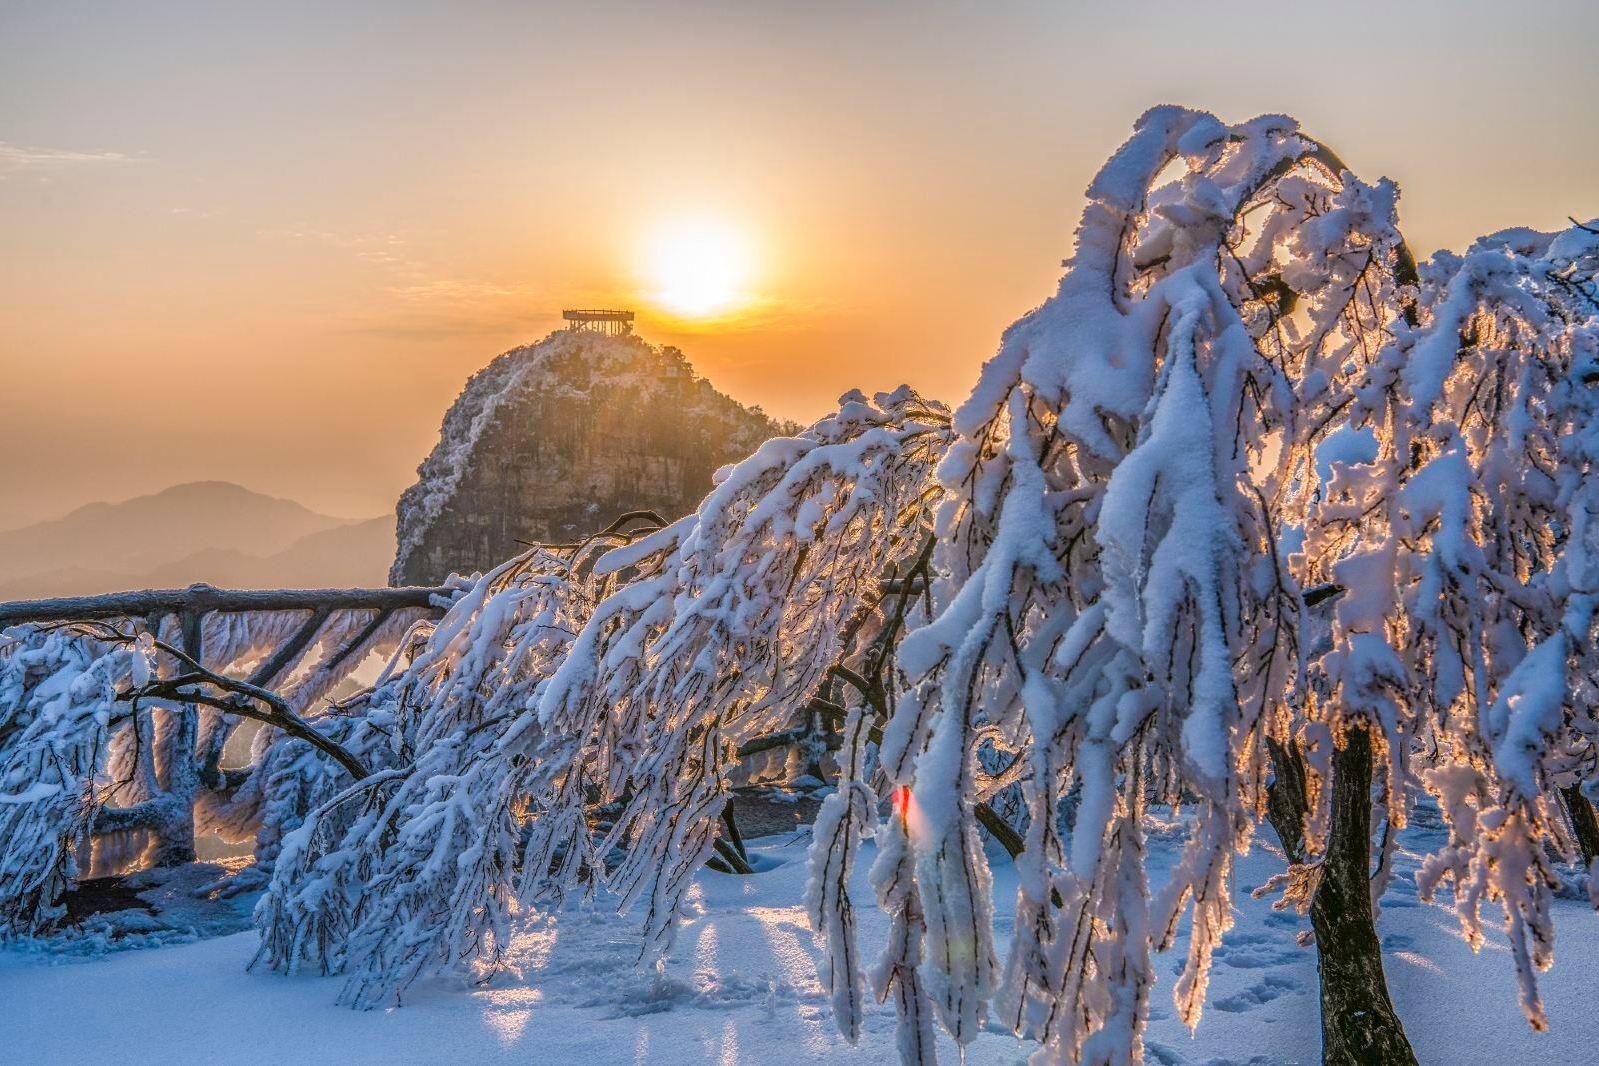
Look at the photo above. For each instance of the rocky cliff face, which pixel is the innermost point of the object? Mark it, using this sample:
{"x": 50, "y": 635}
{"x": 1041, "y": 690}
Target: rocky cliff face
{"x": 552, "y": 441}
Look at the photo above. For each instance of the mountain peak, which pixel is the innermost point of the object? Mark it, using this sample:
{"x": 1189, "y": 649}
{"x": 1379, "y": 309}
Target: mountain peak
{"x": 552, "y": 440}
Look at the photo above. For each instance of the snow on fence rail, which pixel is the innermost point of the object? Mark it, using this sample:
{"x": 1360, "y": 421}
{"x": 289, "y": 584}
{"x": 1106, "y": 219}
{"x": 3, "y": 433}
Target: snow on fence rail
{"x": 203, "y": 598}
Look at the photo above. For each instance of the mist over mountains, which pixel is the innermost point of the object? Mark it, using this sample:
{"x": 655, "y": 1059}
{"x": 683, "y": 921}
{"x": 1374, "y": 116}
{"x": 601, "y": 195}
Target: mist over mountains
{"x": 212, "y": 531}
{"x": 549, "y": 442}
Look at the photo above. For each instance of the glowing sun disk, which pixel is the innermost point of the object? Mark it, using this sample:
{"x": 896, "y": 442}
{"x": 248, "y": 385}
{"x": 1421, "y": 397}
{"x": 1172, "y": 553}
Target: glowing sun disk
{"x": 697, "y": 268}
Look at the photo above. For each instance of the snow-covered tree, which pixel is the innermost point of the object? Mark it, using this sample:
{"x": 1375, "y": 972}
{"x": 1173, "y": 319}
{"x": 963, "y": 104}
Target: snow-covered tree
{"x": 1252, "y": 517}
{"x": 411, "y": 868}
{"x": 1461, "y": 526}
{"x": 731, "y": 627}
{"x": 1113, "y": 598}
{"x": 1107, "y": 596}
{"x": 572, "y": 722}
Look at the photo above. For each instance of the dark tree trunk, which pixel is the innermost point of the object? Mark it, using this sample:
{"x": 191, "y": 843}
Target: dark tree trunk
{"x": 1359, "y": 1026}
{"x": 175, "y": 832}
{"x": 1584, "y": 822}
{"x": 1286, "y": 798}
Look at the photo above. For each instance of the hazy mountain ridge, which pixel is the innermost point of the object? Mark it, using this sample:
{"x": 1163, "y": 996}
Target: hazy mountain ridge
{"x": 211, "y": 531}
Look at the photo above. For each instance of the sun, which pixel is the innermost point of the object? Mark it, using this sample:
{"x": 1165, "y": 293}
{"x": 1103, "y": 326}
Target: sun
{"x": 698, "y": 267}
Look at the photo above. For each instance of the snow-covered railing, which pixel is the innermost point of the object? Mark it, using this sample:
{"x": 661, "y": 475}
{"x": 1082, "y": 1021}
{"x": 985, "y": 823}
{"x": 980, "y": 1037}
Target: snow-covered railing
{"x": 203, "y": 598}
{"x": 128, "y": 770}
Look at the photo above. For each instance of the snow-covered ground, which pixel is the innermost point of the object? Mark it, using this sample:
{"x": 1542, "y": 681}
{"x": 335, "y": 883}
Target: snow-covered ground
{"x": 741, "y": 987}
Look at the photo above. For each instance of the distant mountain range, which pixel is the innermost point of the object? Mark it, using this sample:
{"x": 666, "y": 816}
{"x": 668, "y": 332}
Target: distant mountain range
{"x": 211, "y": 531}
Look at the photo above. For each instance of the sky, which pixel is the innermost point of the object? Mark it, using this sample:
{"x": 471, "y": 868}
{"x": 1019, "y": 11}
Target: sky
{"x": 268, "y": 243}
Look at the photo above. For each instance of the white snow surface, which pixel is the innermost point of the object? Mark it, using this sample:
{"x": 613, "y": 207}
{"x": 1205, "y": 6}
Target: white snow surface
{"x": 742, "y": 986}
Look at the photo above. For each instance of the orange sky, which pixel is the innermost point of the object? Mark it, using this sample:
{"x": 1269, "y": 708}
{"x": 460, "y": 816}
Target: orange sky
{"x": 268, "y": 243}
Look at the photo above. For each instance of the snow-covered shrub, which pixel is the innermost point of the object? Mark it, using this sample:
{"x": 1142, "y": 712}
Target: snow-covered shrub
{"x": 730, "y": 627}
{"x": 58, "y": 705}
{"x": 409, "y": 870}
{"x": 107, "y": 763}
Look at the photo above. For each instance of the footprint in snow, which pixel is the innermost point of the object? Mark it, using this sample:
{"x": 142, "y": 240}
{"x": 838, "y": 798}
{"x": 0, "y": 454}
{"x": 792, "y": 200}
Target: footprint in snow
{"x": 1161, "y": 1055}
{"x": 1255, "y": 951}
{"x": 1164, "y": 1055}
{"x": 1256, "y": 995}
{"x": 1403, "y": 884}
{"x": 1397, "y": 942}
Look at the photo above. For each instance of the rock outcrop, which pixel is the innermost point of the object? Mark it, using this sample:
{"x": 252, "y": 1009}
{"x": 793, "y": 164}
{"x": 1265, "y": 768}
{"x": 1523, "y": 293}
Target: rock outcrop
{"x": 552, "y": 441}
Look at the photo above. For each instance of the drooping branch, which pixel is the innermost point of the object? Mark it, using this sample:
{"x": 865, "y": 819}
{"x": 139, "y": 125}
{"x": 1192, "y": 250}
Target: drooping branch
{"x": 991, "y": 819}
{"x": 359, "y": 641}
{"x": 188, "y": 688}
{"x": 278, "y": 712}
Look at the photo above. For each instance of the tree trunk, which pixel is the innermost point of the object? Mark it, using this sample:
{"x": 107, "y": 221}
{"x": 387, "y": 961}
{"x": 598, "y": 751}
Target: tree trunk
{"x": 175, "y": 832}
{"x": 1359, "y": 1026}
{"x": 1584, "y": 822}
{"x": 1287, "y": 802}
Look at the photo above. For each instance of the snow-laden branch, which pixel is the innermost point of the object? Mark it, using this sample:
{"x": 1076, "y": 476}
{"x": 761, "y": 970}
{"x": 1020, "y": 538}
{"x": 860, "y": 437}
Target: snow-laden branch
{"x": 1475, "y": 622}
{"x": 622, "y": 676}
{"x": 114, "y": 733}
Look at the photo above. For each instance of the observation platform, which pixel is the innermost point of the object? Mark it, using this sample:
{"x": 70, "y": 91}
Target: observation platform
{"x": 600, "y": 320}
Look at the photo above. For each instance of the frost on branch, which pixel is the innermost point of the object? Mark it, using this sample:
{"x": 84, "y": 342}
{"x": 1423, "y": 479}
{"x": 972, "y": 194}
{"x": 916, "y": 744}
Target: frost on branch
{"x": 729, "y": 630}
{"x": 406, "y": 870}
{"x": 847, "y": 817}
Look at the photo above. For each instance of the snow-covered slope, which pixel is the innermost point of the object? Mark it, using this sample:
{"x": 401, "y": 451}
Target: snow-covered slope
{"x": 742, "y": 987}
{"x": 552, "y": 440}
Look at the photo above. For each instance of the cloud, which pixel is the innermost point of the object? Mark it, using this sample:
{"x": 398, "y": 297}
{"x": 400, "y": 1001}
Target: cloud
{"x": 418, "y": 299}
{"x": 414, "y": 299}
{"x": 441, "y": 307}
{"x": 380, "y": 249}
{"x": 19, "y": 157}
